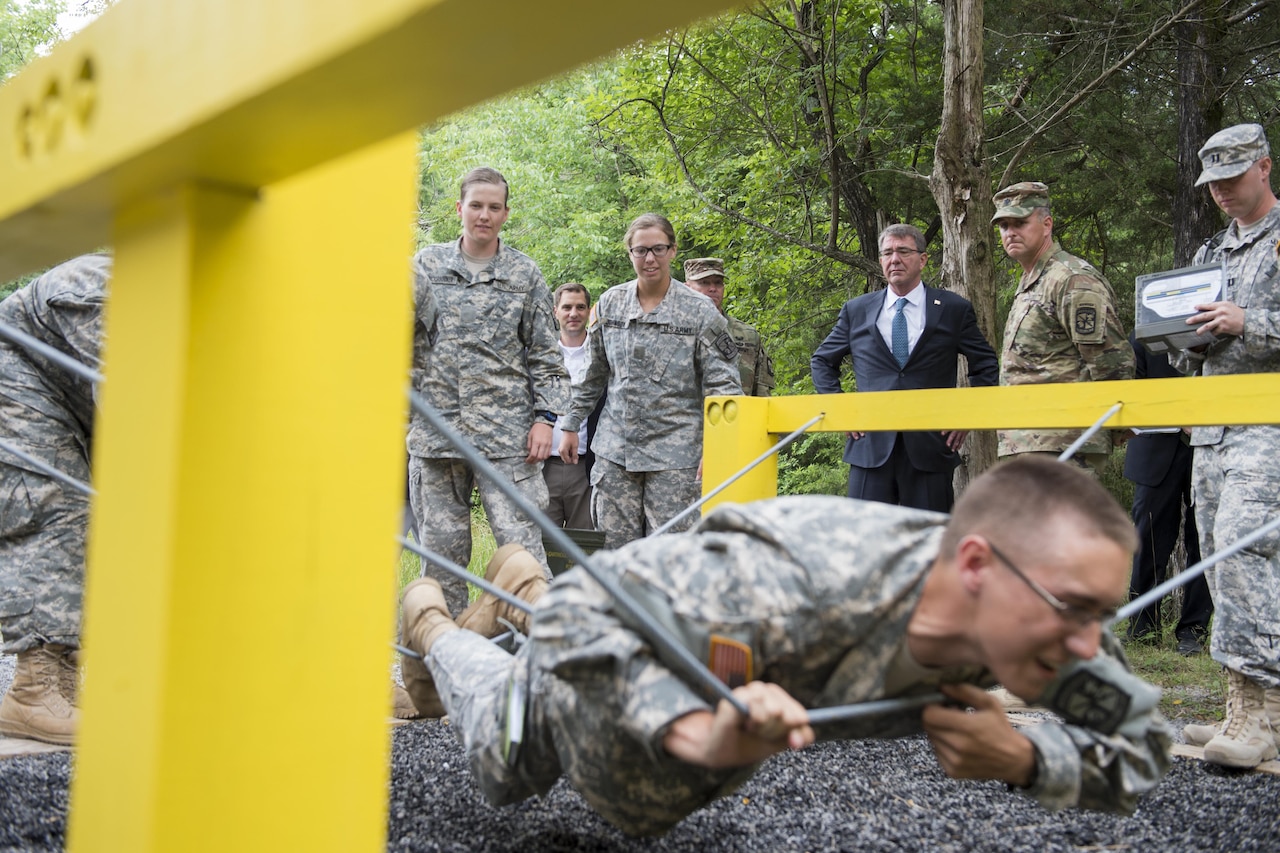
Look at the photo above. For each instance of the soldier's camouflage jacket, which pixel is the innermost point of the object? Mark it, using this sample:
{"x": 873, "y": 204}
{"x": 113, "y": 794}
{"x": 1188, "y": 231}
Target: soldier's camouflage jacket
{"x": 1062, "y": 327}
{"x": 820, "y": 590}
{"x": 48, "y": 412}
{"x": 43, "y": 405}
{"x": 486, "y": 351}
{"x": 1253, "y": 283}
{"x": 755, "y": 368}
{"x": 657, "y": 368}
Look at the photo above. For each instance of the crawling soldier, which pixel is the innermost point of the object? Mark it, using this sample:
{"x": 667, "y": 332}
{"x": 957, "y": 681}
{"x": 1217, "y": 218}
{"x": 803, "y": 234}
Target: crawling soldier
{"x": 827, "y": 602}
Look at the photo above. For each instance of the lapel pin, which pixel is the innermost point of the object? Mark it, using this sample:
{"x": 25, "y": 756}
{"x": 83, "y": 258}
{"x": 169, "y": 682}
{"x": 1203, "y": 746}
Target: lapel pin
{"x": 937, "y": 302}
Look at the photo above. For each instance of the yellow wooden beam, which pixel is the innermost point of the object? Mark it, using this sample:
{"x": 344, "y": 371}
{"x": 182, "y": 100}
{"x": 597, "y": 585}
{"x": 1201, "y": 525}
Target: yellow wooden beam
{"x": 735, "y": 433}
{"x": 730, "y": 442}
{"x": 1192, "y": 401}
{"x": 250, "y": 469}
{"x": 244, "y": 93}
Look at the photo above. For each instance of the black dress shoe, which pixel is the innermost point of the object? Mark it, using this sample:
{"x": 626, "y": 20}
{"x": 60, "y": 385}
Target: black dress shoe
{"x": 1189, "y": 644}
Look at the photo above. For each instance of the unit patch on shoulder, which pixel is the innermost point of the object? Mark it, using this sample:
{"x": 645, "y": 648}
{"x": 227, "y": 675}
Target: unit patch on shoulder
{"x": 1088, "y": 318}
{"x": 726, "y": 347}
{"x": 1085, "y": 699}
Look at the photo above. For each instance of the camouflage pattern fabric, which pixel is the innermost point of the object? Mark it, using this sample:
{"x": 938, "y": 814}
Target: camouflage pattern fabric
{"x": 755, "y": 368}
{"x": 657, "y": 367}
{"x": 1062, "y": 327}
{"x": 48, "y": 412}
{"x": 440, "y": 494}
{"x": 1236, "y": 474}
{"x": 627, "y": 505}
{"x": 491, "y": 359}
{"x": 821, "y": 589}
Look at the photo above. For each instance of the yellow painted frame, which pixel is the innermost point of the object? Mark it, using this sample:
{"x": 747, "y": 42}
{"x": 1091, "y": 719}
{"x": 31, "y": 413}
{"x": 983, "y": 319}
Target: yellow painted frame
{"x": 254, "y": 168}
{"x": 733, "y": 429}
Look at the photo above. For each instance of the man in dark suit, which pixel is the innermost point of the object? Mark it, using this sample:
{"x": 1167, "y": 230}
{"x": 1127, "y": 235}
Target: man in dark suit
{"x": 907, "y": 336}
{"x": 1159, "y": 464}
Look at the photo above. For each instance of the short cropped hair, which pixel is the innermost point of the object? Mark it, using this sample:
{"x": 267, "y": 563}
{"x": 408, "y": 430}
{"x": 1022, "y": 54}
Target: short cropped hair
{"x": 1016, "y": 500}
{"x": 649, "y": 220}
{"x": 902, "y": 230}
{"x": 571, "y": 287}
{"x": 483, "y": 175}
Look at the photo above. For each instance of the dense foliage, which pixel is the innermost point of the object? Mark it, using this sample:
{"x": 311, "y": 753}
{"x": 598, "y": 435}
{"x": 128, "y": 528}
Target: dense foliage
{"x": 783, "y": 137}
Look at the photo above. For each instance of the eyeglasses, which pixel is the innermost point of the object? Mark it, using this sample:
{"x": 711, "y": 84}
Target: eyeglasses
{"x": 1076, "y": 615}
{"x": 658, "y": 250}
{"x": 902, "y": 253}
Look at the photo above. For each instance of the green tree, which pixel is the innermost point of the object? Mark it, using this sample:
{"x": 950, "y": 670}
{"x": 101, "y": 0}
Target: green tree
{"x": 24, "y": 28}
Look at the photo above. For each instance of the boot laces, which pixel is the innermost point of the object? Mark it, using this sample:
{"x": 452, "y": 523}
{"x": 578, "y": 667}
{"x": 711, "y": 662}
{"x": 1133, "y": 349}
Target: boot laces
{"x": 50, "y": 671}
{"x": 1238, "y": 713}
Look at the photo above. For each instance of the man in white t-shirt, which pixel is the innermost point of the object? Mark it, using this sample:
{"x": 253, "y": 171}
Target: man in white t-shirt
{"x": 570, "y": 504}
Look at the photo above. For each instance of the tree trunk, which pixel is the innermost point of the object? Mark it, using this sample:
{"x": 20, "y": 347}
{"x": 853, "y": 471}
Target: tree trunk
{"x": 961, "y": 185}
{"x": 1200, "y": 111}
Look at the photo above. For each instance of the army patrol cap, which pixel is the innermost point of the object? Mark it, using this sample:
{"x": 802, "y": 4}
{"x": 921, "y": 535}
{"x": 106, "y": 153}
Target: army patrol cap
{"x": 1018, "y": 201}
{"x": 1229, "y": 153}
{"x": 699, "y": 268}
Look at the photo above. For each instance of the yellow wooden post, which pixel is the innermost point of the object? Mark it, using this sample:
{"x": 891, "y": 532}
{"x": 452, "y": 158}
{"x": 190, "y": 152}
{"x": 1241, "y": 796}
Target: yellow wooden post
{"x": 250, "y": 475}
{"x": 735, "y": 431}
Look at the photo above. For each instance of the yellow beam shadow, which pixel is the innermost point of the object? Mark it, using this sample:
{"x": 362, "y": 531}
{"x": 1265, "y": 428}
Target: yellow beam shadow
{"x": 245, "y": 93}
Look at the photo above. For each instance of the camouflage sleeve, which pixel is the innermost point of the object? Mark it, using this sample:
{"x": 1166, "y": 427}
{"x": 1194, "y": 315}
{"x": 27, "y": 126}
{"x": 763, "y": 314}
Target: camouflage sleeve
{"x": 1114, "y": 745}
{"x": 716, "y": 359}
{"x": 547, "y": 372}
{"x": 1088, "y": 312}
{"x": 594, "y": 381}
{"x": 764, "y": 374}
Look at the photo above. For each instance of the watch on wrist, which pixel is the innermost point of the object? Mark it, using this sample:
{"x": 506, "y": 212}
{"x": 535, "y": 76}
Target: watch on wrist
{"x": 549, "y": 417}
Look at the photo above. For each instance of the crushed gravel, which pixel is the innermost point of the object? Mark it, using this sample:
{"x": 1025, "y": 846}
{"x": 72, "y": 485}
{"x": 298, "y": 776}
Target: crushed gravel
{"x": 857, "y": 796}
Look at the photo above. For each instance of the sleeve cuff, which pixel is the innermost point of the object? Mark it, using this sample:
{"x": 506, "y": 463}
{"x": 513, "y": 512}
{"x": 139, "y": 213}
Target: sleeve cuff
{"x": 1057, "y": 784}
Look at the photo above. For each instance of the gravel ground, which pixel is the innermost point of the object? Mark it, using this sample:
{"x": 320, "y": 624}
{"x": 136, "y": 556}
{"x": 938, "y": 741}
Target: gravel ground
{"x": 863, "y": 796}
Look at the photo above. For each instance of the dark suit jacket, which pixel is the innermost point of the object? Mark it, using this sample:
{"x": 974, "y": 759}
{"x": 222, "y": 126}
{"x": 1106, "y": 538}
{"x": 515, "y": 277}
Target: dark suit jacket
{"x": 950, "y": 328}
{"x": 1150, "y": 458}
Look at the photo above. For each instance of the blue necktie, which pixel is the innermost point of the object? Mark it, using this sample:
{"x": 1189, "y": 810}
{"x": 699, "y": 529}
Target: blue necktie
{"x": 900, "y": 351}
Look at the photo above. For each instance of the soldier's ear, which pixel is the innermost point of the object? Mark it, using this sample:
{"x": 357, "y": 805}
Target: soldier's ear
{"x": 973, "y": 560}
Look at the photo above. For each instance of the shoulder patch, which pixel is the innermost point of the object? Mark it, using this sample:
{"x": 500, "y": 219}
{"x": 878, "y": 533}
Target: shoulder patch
{"x": 1085, "y": 699}
{"x": 726, "y": 347}
{"x": 1088, "y": 318}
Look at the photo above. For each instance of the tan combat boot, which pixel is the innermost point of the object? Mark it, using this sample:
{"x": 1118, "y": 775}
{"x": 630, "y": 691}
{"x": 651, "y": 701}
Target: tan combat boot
{"x": 1246, "y": 739}
{"x": 36, "y": 705}
{"x": 515, "y": 570}
{"x": 1198, "y": 734}
{"x": 424, "y": 618}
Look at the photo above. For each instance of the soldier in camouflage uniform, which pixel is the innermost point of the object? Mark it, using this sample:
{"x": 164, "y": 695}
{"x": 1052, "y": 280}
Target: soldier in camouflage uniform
{"x": 488, "y": 360}
{"x": 1063, "y": 325}
{"x": 832, "y": 602}
{"x": 47, "y": 412}
{"x": 1236, "y": 473}
{"x": 658, "y": 350}
{"x": 755, "y": 368}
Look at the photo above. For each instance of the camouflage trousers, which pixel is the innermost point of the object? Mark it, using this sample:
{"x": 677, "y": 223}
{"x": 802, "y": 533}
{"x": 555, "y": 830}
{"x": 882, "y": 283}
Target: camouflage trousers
{"x": 42, "y": 547}
{"x": 578, "y": 722}
{"x": 628, "y": 505}
{"x": 1236, "y": 488}
{"x": 440, "y": 494}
